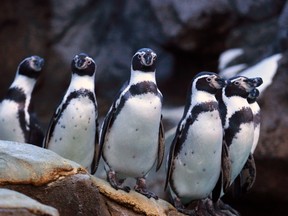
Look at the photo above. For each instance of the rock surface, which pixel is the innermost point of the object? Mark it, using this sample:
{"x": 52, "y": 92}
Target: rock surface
{"x": 14, "y": 203}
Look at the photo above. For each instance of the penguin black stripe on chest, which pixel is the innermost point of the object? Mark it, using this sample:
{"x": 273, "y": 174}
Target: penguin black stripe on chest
{"x": 196, "y": 110}
{"x": 16, "y": 94}
{"x": 235, "y": 121}
{"x": 73, "y": 95}
{"x": 140, "y": 88}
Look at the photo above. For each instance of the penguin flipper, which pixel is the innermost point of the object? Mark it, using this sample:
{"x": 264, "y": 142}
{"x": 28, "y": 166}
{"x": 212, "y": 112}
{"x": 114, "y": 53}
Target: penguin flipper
{"x": 216, "y": 193}
{"x": 248, "y": 174}
{"x": 161, "y": 145}
{"x": 36, "y": 134}
{"x": 96, "y": 157}
{"x": 172, "y": 154}
{"x": 225, "y": 167}
{"x": 51, "y": 127}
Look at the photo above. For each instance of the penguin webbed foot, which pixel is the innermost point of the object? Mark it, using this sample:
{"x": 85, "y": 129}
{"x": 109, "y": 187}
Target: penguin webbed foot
{"x": 181, "y": 208}
{"x": 225, "y": 209}
{"x": 116, "y": 184}
{"x": 141, "y": 188}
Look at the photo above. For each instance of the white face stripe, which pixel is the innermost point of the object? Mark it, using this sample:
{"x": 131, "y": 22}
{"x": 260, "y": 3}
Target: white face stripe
{"x": 87, "y": 62}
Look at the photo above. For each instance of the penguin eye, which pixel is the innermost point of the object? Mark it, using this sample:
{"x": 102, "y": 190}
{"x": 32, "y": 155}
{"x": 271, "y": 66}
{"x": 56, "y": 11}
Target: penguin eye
{"x": 139, "y": 56}
{"x": 237, "y": 83}
{"x": 89, "y": 62}
{"x": 208, "y": 79}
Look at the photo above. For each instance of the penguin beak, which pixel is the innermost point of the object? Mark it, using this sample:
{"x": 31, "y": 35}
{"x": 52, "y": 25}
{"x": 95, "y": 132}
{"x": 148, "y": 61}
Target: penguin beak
{"x": 221, "y": 83}
{"x": 257, "y": 81}
{"x": 38, "y": 63}
{"x": 148, "y": 59}
{"x": 253, "y": 95}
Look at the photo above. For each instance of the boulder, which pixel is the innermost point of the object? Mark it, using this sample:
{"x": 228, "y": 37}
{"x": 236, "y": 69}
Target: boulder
{"x": 14, "y": 203}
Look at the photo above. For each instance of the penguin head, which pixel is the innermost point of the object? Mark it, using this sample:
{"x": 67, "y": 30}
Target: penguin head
{"x": 83, "y": 65}
{"x": 31, "y": 66}
{"x": 144, "y": 60}
{"x": 253, "y": 95}
{"x": 239, "y": 86}
{"x": 208, "y": 81}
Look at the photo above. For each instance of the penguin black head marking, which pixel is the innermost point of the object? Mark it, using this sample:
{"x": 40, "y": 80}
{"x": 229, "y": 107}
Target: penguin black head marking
{"x": 31, "y": 66}
{"x": 83, "y": 65}
{"x": 144, "y": 60}
{"x": 208, "y": 81}
{"x": 239, "y": 86}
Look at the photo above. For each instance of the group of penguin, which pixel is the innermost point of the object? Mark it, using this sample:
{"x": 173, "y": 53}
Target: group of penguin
{"x": 212, "y": 149}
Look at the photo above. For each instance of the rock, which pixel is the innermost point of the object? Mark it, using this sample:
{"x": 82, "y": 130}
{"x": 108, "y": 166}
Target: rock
{"x": 14, "y": 203}
{"x": 133, "y": 201}
{"x": 28, "y": 164}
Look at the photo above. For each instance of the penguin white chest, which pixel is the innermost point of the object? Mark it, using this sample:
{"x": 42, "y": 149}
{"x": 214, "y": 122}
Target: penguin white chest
{"x": 74, "y": 133}
{"x": 132, "y": 144}
{"x": 197, "y": 166}
{"x": 240, "y": 148}
{"x": 9, "y": 122}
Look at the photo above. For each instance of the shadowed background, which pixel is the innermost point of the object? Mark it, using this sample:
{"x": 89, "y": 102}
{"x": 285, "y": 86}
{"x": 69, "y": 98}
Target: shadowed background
{"x": 187, "y": 35}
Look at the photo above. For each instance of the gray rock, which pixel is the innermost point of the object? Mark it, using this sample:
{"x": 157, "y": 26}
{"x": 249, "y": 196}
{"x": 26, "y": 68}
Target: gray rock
{"x": 14, "y": 203}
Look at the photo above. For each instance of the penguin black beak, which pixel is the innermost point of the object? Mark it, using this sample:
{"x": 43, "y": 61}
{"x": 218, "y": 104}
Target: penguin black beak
{"x": 221, "y": 82}
{"x": 148, "y": 59}
{"x": 257, "y": 81}
{"x": 250, "y": 82}
{"x": 41, "y": 63}
{"x": 253, "y": 95}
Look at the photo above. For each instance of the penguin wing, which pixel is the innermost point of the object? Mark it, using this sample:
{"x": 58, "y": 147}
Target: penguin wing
{"x": 51, "y": 126}
{"x": 225, "y": 167}
{"x": 171, "y": 155}
{"x": 36, "y": 134}
{"x": 161, "y": 145}
{"x": 108, "y": 121}
{"x": 248, "y": 174}
{"x": 96, "y": 157}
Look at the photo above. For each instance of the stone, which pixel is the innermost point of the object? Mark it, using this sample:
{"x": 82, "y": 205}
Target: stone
{"x": 22, "y": 163}
{"x": 14, "y": 203}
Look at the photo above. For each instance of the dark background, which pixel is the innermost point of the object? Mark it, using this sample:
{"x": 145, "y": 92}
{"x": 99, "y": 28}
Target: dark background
{"x": 187, "y": 35}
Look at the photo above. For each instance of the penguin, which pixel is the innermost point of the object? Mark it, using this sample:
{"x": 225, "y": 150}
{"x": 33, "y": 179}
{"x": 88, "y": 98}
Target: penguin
{"x": 73, "y": 130}
{"x": 252, "y": 100}
{"x": 237, "y": 121}
{"x": 247, "y": 176}
{"x": 18, "y": 122}
{"x": 194, "y": 160}
{"x": 132, "y": 134}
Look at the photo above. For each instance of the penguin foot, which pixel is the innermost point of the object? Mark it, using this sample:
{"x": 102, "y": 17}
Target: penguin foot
{"x": 116, "y": 184}
{"x": 181, "y": 208}
{"x": 141, "y": 188}
{"x": 225, "y": 209}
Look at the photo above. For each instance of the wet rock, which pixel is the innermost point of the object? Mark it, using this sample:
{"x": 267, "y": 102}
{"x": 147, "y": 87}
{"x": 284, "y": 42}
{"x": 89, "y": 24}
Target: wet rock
{"x": 14, "y": 203}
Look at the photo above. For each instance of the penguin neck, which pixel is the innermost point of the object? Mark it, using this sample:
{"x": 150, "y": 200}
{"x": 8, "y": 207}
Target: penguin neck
{"x": 139, "y": 76}
{"x": 26, "y": 84}
{"x": 81, "y": 82}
